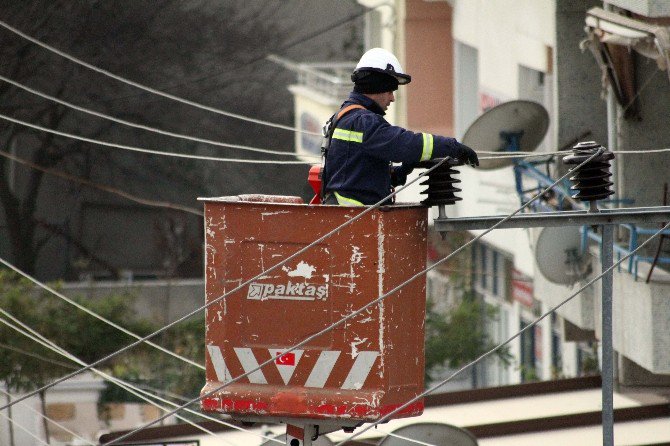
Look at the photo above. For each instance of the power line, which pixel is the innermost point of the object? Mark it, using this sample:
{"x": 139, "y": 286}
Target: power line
{"x": 36, "y": 337}
{"x": 141, "y": 126}
{"x": 375, "y": 301}
{"x": 134, "y": 389}
{"x": 264, "y": 56}
{"x": 290, "y": 45}
{"x": 148, "y": 151}
{"x": 95, "y": 315}
{"x": 506, "y": 155}
{"x": 641, "y": 152}
{"x": 494, "y": 155}
{"x": 371, "y": 303}
{"x": 510, "y": 339}
{"x": 56, "y": 423}
{"x": 138, "y": 387}
{"x": 333, "y": 232}
{"x": 241, "y": 160}
{"x": 111, "y": 190}
{"x": 364, "y": 212}
{"x": 537, "y": 196}
{"x": 36, "y": 356}
{"x": 146, "y": 88}
{"x": 369, "y": 209}
{"x": 20, "y": 426}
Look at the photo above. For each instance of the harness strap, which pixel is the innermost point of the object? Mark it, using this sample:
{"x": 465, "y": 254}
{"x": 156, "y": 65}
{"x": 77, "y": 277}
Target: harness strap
{"x": 333, "y": 123}
{"x": 347, "y": 109}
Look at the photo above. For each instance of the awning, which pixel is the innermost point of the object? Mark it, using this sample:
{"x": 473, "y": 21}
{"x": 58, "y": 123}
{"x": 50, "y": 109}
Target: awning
{"x": 612, "y": 38}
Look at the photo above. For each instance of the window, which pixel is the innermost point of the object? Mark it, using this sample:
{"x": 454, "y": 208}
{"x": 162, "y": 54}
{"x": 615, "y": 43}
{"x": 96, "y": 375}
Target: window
{"x": 494, "y": 273}
{"x": 466, "y": 86}
{"x": 491, "y": 269}
{"x": 483, "y": 271}
{"x": 537, "y": 86}
{"x": 556, "y": 350}
{"x": 527, "y": 363}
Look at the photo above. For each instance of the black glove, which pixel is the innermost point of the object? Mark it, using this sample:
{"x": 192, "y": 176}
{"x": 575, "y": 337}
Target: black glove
{"x": 399, "y": 173}
{"x": 467, "y": 156}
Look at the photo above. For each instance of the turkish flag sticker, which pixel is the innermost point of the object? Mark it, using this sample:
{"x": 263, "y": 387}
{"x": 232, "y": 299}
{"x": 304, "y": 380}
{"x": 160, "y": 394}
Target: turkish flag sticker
{"x": 285, "y": 359}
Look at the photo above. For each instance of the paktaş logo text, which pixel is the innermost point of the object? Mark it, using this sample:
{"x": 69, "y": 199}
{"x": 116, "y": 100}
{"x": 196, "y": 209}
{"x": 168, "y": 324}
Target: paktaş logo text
{"x": 288, "y": 291}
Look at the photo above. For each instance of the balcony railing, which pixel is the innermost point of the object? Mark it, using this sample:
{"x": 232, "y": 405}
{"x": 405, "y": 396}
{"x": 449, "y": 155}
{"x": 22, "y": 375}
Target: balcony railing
{"x": 560, "y": 199}
{"x": 330, "y": 78}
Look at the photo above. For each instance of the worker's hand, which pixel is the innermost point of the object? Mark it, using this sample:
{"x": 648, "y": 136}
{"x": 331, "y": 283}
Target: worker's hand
{"x": 399, "y": 173}
{"x": 467, "y": 156}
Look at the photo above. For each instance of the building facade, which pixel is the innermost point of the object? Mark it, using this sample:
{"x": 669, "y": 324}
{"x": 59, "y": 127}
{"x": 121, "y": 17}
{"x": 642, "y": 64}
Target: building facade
{"x": 599, "y": 69}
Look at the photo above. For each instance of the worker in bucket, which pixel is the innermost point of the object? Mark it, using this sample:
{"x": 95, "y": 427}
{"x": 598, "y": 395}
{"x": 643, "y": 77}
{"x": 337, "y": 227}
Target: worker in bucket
{"x": 360, "y": 145}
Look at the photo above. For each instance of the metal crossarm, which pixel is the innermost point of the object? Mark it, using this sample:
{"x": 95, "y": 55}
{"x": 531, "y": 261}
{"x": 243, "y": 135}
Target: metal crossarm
{"x": 643, "y": 215}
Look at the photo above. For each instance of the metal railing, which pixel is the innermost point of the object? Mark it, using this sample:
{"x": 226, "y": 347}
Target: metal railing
{"x": 332, "y": 79}
{"x": 562, "y": 197}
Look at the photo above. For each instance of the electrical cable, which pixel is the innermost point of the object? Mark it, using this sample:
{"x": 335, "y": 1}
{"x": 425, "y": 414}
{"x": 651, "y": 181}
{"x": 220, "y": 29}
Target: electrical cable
{"x": 461, "y": 247}
{"x": 253, "y": 161}
{"x": 516, "y": 154}
{"x": 36, "y": 337}
{"x": 505, "y": 155}
{"x": 641, "y": 152}
{"x": 510, "y": 339}
{"x": 56, "y": 423}
{"x": 289, "y": 45}
{"x": 663, "y": 150}
{"x": 350, "y": 222}
{"x": 111, "y": 190}
{"x": 20, "y": 426}
{"x": 149, "y": 151}
{"x": 97, "y": 316}
{"x": 407, "y": 439}
{"x": 141, "y": 388}
{"x": 537, "y": 196}
{"x": 38, "y": 357}
{"x": 618, "y": 152}
{"x": 149, "y": 89}
{"x": 502, "y": 155}
{"x": 166, "y": 393}
{"x": 373, "y": 302}
{"x": 364, "y": 212}
{"x": 145, "y": 127}
{"x": 132, "y": 388}
{"x": 259, "y": 58}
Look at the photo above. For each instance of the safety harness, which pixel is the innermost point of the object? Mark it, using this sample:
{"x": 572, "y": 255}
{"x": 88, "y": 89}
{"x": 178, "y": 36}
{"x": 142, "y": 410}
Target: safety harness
{"x": 328, "y": 131}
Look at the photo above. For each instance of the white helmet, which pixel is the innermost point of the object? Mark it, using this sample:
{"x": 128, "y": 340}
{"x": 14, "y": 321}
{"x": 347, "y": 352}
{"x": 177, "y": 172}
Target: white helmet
{"x": 381, "y": 61}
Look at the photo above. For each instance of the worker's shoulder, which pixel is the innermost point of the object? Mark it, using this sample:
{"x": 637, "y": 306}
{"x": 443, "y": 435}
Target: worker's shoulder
{"x": 365, "y": 117}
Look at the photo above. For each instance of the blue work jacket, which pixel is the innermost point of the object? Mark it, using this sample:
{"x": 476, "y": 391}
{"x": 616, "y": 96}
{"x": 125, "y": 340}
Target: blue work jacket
{"x": 357, "y": 167}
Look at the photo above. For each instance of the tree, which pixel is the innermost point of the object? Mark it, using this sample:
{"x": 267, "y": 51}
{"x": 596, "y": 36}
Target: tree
{"x": 76, "y": 332}
{"x": 456, "y": 333}
{"x": 154, "y": 371}
{"x": 208, "y": 51}
{"x": 458, "y": 336}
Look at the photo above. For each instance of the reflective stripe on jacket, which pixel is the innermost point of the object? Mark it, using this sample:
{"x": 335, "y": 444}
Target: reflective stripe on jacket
{"x": 363, "y": 146}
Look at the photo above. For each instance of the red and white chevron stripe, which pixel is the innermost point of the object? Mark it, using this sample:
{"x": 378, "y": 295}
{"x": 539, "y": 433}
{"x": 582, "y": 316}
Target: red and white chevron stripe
{"x": 359, "y": 366}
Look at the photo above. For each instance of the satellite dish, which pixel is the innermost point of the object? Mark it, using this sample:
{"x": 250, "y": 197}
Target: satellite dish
{"x": 438, "y": 434}
{"x": 526, "y": 120}
{"x": 321, "y": 441}
{"x": 558, "y": 255}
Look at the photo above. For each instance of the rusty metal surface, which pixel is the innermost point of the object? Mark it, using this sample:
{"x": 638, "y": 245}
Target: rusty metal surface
{"x": 361, "y": 370}
{"x": 257, "y": 198}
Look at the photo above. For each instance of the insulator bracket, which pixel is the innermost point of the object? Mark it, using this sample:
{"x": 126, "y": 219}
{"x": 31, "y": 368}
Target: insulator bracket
{"x": 591, "y": 181}
{"x": 440, "y": 182}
